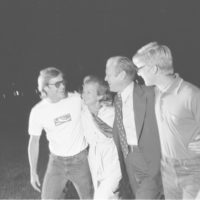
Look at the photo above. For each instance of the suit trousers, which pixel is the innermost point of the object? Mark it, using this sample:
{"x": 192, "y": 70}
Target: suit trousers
{"x": 61, "y": 169}
{"x": 143, "y": 185}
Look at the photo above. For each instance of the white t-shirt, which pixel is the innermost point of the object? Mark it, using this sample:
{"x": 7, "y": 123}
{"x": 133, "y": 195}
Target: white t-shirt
{"x": 62, "y": 124}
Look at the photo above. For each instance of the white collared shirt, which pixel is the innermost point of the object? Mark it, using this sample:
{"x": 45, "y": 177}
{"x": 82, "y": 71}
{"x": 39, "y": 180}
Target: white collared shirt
{"x": 128, "y": 114}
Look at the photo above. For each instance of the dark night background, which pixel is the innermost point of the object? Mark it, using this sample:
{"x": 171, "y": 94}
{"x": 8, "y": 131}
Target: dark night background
{"x": 79, "y": 36}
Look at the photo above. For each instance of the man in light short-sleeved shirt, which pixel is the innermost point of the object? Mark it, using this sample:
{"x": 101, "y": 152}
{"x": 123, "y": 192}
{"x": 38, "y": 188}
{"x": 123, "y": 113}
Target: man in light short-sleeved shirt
{"x": 58, "y": 114}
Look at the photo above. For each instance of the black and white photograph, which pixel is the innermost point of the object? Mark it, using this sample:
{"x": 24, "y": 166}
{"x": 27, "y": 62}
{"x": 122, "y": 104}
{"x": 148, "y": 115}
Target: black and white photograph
{"x": 99, "y": 99}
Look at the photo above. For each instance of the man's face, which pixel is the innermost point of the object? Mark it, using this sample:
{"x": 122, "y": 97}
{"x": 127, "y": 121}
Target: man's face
{"x": 145, "y": 72}
{"x": 111, "y": 77}
{"x": 56, "y": 88}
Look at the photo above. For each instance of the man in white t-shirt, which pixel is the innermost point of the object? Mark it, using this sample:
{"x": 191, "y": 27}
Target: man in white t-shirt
{"x": 58, "y": 114}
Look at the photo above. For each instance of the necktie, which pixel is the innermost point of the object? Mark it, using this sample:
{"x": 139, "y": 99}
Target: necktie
{"x": 120, "y": 126}
{"x": 103, "y": 127}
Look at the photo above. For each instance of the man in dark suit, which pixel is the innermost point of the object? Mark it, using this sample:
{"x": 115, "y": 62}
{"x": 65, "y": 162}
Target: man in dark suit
{"x": 135, "y": 129}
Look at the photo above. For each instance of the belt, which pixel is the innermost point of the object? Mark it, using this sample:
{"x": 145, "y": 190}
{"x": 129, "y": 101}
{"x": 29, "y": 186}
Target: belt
{"x": 132, "y": 148}
{"x": 183, "y": 162}
{"x": 70, "y": 157}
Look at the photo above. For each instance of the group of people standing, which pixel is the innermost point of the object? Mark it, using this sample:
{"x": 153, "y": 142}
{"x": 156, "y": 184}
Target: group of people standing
{"x": 119, "y": 139}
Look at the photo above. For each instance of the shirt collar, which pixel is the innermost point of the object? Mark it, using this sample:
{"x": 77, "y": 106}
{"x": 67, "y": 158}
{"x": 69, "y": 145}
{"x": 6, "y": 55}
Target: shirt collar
{"x": 174, "y": 86}
{"x": 127, "y": 91}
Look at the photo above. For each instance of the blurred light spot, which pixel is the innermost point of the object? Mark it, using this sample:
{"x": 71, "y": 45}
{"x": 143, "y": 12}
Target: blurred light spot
{"x": 16, "y": 93}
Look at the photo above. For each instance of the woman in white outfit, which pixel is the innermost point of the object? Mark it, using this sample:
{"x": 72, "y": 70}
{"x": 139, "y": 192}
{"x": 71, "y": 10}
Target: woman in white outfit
{"x": 97, "y": 119}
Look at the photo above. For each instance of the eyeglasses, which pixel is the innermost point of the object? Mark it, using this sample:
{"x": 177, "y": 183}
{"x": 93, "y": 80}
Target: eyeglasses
{"x": 140, "y": 68}
{"x": 58, "y": 83}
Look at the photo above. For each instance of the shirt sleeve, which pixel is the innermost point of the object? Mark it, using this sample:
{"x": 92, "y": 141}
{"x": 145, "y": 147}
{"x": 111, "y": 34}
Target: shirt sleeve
{"x": 35, "y": 127}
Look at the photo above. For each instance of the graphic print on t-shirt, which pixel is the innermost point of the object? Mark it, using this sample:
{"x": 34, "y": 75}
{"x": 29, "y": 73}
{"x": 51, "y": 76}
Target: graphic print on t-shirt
{"x": 62, "y": 119}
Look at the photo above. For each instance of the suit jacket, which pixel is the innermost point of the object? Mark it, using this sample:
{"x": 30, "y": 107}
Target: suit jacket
{"x": 146, "y": 129}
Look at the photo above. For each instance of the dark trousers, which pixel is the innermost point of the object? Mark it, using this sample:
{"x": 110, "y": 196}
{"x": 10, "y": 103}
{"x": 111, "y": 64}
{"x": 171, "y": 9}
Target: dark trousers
{"x": 62, "y": 169}
{"x": 143, "y": 185}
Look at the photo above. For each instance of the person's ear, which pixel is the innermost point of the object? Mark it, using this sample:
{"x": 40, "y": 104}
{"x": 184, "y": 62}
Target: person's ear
{"x": 45, "y": 89}
{"x": 100, "y": 97}
{"x": 122, "y": 75}
{"x": 155, "y": 69}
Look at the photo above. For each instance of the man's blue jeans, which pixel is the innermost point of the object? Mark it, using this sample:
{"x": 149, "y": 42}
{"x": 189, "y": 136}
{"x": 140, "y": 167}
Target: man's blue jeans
{"x": 181, "y": 178}
{"x": 61, "y": 169}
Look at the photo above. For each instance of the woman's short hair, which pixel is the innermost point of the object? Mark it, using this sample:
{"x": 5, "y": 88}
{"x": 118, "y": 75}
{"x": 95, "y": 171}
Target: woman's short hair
{"x": 102, "y": 87}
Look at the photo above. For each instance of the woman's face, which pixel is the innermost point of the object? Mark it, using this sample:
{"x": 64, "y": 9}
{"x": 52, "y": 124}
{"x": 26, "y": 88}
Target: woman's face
{"x": 90, "y": 95}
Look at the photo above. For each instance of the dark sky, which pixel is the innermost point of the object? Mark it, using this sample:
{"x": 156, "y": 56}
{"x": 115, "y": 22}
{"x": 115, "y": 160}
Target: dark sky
{"x": 80, "y": 35}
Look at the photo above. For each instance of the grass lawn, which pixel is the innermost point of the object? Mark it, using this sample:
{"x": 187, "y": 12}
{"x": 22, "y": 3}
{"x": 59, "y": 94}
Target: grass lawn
{"x": 14, "y": 167}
